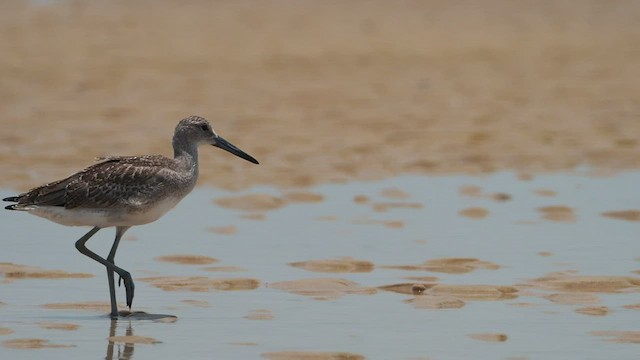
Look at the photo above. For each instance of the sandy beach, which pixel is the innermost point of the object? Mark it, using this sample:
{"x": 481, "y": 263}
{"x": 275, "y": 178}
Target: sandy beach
{"x": 322, "y": 91}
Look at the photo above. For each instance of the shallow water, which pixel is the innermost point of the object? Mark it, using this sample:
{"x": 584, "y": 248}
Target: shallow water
{"x": 409, "y": 226}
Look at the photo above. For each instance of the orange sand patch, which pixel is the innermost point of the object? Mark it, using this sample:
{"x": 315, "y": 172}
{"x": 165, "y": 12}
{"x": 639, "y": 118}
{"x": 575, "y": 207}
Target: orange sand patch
{"x": 573, "y": 298}
{"x": 133, "y": 339}
{"x": 449, "y": 265}
{"x": 394, "y": 193}
{"x": 474, "y": 292}
{"x": 474, "y": 213}
{"x": 260, "y": 314}
{"x": 362, "y": 81}
{"x": 303, "y": 197}
{"x": 187, "y": 259}
{"x": 309, "y": 355}
{"x": 408, "y": 289}
{"x": 558, "y": 213}
{"x": 489, "y": 337}
{"x": 545, "y": 253}
{"x": 595, "y": 284}
{"x": 626, "y": 337}
{"x": 385, "y": 206}
{"x": 197, "y": 303}
{"x": 361, "y": 199}
{"x": 593, "y": 310}
{"x": 341, "y": 265}
{"x": 323, "y": 288}
{"x": 5, "y": 331}
{"x": 15, "y": 271}
{"x": 96, "y": 306}
{"x": 629, "y": 215}
{"x": 200, "y": 283}
{"x": 224, "y": 268}
{"x": 632, "y": 307}
{"x": 32, "y": 344}
{"x": 436, "y": 302}
{"x": 58, "y": 326}
{"x": 476, "y": 192}
{"x": 500, "y": 197}
{"x": 224, "y": 230}
{"x": 463, "y": 292}
{"x": 252, "y": 202}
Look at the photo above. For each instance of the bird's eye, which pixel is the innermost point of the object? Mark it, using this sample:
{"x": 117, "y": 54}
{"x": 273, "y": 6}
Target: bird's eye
{"x": 204, "y": 127}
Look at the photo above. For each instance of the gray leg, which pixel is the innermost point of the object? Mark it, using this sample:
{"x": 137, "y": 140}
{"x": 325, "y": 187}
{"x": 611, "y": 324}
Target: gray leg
{"x": 120, "y": 230}
{"x": 126, "y": 277}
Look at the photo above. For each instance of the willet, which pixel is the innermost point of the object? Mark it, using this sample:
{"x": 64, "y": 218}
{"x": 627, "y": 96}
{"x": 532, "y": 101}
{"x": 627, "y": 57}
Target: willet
{"x": 123, "y": 191}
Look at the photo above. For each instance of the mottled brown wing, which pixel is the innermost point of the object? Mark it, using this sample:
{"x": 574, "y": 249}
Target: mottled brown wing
{"x": 125, "y": 180}
{"x": 117, "y": 181}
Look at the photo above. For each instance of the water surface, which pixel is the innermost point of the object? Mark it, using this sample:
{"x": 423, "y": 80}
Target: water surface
{"x": 393, "y": 225}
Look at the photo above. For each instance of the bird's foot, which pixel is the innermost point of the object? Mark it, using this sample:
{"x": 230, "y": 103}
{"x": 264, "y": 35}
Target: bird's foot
{"x": 129, "y": 286}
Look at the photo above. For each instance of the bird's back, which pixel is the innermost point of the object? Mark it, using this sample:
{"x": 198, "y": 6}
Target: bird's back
{"x": 114, "y": 182}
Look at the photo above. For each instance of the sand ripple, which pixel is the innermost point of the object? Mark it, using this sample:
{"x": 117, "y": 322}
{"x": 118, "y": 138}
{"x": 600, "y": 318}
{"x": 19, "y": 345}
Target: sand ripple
{"x": 628, "y": 337}
{"x": 323, "y": 288}
{"x": 58, "y": 326}
{"x": 595, "y": 284}
{"x": 593, "y": 310}
{"x": 97, "y": 306}
{"x": 341, "y": 265}
{"x": 15, "y": 271}
{"x": 558, "y": 213}
{"x": 436, "y": 302}
{"x": 133, "y": 339}
{"x": 201, "y": 283}
{"x": 474, "y": 292}
{"x": 474, "y": 213}
{"x": 187, "y": 259}
{"x": 629, "y": 215}
{"x": 32, "y": 344}
{"x": 448, "y": 265}
{"x": 489, "y": 337}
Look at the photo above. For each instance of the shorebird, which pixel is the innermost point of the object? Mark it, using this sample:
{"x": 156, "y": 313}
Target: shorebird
{"x": 123, "y": 191}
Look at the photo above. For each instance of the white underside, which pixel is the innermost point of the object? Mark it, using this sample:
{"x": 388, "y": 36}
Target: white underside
{"x": 104, "y": 217}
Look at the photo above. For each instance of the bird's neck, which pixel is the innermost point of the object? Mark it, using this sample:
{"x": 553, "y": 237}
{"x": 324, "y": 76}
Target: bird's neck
{"x": 186, "y": 154}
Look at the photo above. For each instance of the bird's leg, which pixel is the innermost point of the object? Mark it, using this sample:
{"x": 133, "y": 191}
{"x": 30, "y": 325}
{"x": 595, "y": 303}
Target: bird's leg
{"x": 126, "y": 277}
{"x": 110, "y": 258}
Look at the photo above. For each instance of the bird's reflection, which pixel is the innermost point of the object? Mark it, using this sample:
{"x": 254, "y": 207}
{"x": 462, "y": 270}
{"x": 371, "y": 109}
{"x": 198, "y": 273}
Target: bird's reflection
{"x": 122, "y": 349}
{"x": 124, "y": 352}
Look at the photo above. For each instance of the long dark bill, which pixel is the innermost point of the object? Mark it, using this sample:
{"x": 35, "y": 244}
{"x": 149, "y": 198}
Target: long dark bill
{"x": 225, "y": 145}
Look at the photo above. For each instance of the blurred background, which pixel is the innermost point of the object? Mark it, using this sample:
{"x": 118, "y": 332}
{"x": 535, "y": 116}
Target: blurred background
{"x": 322, "y": 91}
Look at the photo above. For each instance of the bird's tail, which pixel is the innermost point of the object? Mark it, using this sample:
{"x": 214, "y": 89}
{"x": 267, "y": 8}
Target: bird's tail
{"x": 12, "y": 199}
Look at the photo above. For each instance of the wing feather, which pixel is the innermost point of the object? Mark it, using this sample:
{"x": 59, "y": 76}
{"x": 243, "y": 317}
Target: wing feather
{"x": 131, "y": 180}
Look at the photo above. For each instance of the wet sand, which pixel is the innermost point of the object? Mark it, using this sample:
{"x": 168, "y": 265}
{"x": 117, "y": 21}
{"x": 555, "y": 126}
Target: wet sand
{"x": 322, "y": 91}
{"x": 510, "y": 277}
